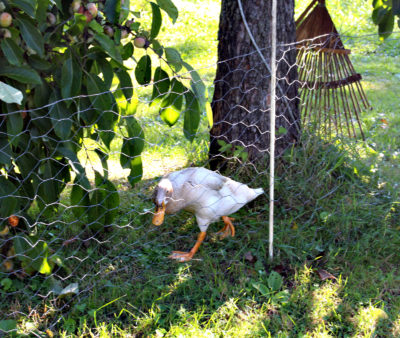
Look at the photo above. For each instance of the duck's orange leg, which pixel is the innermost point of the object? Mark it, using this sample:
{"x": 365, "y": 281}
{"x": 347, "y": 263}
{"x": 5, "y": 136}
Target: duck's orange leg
{"x": 228, "y": 229}
{"x": 187, "y": 256}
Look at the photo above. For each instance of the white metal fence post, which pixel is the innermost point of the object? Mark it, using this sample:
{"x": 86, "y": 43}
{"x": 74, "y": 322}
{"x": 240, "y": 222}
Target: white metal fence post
{"x": 272, "y": 130}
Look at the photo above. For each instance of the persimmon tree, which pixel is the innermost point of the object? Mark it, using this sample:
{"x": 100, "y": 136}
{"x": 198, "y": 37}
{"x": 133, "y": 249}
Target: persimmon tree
{"x": 62, "y": 80}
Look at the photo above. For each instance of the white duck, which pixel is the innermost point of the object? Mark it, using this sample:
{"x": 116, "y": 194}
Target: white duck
{"x": 205, "y": 193}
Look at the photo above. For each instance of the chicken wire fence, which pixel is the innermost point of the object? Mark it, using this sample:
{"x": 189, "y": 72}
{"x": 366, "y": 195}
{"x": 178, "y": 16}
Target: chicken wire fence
{"x": 76, "y": 199}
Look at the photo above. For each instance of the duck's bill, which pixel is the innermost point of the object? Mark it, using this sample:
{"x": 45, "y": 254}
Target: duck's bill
{"x": 158, "y": 217}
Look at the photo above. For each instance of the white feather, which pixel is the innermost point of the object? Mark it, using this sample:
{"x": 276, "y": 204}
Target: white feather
{"x": 207, "y": 194}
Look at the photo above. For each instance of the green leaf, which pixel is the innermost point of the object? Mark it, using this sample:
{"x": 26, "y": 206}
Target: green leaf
{"x": 61, "y": 119}
{"x": 21, "y": 245}
{"x": 31, "y": 36}
{"x": 42, "y": 94}
{"x": 32, "y": 255}
{"x": 125, "y": 10}
{"x": 173, "y": 58}
{"x": 76, "y": 78}
{"x": 6, "y": 283}
{"x": 224, "y": 147}
{"x": 282, "y": 130}
{"x": 8, "y": 203}
{"x": 127, "y": 51}
{"x": 177, "y": 88}
{"x": 385, "y": 27}
{"x": 40, "y": 64}
{"x": 104, "y": 203}
{"x": 72, "y": 157}
{"x": 160, "y": 85}
{"x": 21, "y": 74}
{"x": 117, "y": 37}
{"x": 112, "y": 201}
{"x": 104, "y": 102}
{"x": 96, "y": 210}
{"x": 263, "y": 289}
{"x": 65, "y": 7}
{"x": 45, "y": 267}
{"x": 12, "y": 52}
{"x": 10, "y": 94}
{"x": 27, "y": 164}
{"x": 41, "y": 10}
{"x": 377, "y": 3}
{"x": 169, "y": 8}
{"x": 275, "y": 281}
{"x": 99, "y": 94}
{"x": 112, "y": 10}
{"x": 108, "y": 45}
{"x": 79, "y": 197}
{"x": 49, "y": 187}
{"x": 87, "y": 113}
{"x": 133, "y": 145}
{"x": 192, "y": 116}
{"x": 131, "y": 149}
{"x": 26, "y": 5}
{"x": 95, "y": 26}
{"x": 78, "y": 25}
{"x": 378, "y": 14}
{"x": 170, "y": 115}
{"x": 67, "y": 73}
{"x": 56, "y": 259}
{"x": 197, "y": 84}
{"x": 156, "y": 22}
{"x": 107, "y": 71}
{"x": 8, "y": 325}
{"x": 103, "y": 158}
{"x": 130, "y": 106}
{"x": 158, "y": 49}
{"x": 143, "y": 70}
{"x": 136, "y": 172}
{"x": 172, "y": 104}
{"x": 41, "y": 121}
{"x": 14, "y": 124}
{"x": 107, "y": 136}
{"x": 5, "y": 151}
{"x": 125, "y": 83}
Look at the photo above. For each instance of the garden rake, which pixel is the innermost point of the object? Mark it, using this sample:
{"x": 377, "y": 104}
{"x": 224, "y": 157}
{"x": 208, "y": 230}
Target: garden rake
{"x": 331, "y": 95}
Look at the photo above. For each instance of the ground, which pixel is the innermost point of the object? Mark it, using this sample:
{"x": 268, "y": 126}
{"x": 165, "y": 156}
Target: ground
{"x": 335, "y": 271}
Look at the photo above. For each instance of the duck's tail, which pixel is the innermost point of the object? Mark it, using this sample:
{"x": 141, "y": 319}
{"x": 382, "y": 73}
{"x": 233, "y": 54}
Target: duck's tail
{"x": 259, "y": 191}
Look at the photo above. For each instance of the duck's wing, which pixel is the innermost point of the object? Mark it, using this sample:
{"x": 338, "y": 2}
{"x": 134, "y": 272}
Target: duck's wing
{"x": 199, "y": 177}
{"x": 210, "y": 180}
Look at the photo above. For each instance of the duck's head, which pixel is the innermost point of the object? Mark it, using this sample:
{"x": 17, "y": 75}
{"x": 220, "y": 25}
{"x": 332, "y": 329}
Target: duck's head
{"x": 161, "y": 196}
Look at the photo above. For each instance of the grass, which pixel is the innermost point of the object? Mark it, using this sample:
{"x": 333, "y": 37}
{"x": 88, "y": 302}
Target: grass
{"x": 337, "y": 212}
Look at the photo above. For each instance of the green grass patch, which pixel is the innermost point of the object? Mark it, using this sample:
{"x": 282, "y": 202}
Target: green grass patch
{"x": 337, "y": 234}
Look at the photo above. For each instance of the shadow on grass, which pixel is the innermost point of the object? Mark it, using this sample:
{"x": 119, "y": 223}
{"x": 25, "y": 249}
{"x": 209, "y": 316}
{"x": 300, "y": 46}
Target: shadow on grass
{"x": 329, "y": 217}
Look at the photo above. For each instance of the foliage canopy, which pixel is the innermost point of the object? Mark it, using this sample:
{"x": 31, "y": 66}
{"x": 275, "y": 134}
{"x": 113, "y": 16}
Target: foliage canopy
{"x": 64, "y": 79}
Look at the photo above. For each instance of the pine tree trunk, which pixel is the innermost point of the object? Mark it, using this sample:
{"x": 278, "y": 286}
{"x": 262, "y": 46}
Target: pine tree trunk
{"x": 241, "y": 98}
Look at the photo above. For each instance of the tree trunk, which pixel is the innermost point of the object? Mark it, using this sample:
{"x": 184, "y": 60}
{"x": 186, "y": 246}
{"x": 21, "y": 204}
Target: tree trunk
{"x": 241, "y": 101}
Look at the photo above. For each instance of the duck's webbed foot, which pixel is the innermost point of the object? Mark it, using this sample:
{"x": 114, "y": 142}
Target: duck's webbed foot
{"x": 228, "y": 229}
{"x": 181, "y": 256}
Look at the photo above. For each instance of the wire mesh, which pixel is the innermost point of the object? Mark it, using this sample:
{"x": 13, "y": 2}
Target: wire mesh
{"x": 81, "y": 224}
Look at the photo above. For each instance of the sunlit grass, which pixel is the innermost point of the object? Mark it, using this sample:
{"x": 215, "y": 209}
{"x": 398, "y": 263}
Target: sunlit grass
{"x": 367, "y": 320}
{"x": 325, "y": 301}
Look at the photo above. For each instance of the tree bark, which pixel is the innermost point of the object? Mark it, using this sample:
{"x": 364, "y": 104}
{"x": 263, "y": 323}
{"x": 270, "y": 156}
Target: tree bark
{"x": 241, "y": 100}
